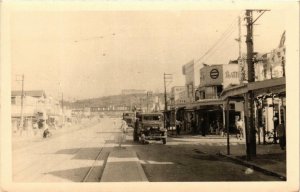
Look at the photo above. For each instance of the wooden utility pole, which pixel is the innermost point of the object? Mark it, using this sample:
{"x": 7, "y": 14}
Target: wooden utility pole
{"x": 165, "y": 88}
{"x": 240, "y": 61}
{"x": 147, "y": 102}
{"x": 22, "y": 98}
{"x": 166, "y": 77}
{"x": 227, "y": 126}
{"x": 249, "y": 97}
{"x": 240, "y": 38}
{"x": 62, "y": 108}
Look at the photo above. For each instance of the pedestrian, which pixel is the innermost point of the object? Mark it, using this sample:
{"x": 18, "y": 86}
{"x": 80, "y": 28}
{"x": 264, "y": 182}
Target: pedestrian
{"x": 281, "y": 135}
{"x": 202, "y": 125}
{"x": 46, "y": 132}
{"x": 168, "y": 124}
{"x": 193, "y": 127}
{"x": 122, "y": 135}
{"x": 211, "y": 127}
{"x": 178, "y": 127}
{"x": 239, "y": 127}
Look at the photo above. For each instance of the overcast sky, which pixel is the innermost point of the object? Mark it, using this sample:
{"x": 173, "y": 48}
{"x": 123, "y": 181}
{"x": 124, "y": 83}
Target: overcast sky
{"x": 89, "y": 54}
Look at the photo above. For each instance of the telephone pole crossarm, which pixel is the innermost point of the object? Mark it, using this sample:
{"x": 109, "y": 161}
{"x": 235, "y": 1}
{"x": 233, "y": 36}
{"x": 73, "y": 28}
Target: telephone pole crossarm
{"x": 263, "y": 11}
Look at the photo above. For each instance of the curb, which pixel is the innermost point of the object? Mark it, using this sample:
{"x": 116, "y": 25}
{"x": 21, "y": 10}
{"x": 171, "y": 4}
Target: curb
{"x": 141, "y": 170}
{"x": 255, "y": 167}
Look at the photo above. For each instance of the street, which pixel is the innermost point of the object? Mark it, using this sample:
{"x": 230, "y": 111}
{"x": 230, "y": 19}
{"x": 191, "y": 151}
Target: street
{"x": 79, "y": 155}
{"x": 66, "y": 157}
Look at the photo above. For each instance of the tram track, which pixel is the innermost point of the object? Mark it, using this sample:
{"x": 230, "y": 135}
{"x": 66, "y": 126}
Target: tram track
{"x": 76, "y": 158}
{"x": 92, "y": 168}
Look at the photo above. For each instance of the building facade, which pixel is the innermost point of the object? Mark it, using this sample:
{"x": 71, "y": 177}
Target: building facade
{"x": 192, "y": 78}
{"x": 214, "y": 78}
{"x": 178, "y": 95}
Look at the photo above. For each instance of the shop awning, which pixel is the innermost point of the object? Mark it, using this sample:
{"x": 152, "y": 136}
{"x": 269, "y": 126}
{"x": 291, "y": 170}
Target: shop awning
{"x": 204, "y": 102}
{"x": 260, "y": 87}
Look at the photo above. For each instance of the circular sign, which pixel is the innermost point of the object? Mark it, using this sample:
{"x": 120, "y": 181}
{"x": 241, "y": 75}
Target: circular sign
{"x": 214, "y": 73}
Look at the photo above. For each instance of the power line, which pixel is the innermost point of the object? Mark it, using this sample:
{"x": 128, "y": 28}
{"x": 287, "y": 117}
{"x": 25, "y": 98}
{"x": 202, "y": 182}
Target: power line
{"x": 221, "y": 45}
{"x": 217, "y": 42}
{"x": 229, "y": 30}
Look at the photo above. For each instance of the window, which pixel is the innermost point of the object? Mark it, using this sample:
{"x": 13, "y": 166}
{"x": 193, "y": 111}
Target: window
{"x": 128, "y": 114}
{"x": 152, "y": 118}
{"x": 13, "y": 100}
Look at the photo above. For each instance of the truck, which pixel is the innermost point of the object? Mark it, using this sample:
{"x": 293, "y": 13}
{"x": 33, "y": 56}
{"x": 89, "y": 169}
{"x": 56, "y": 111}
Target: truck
{"x": 150, "y": 126}
{"x": 129, "y": 117}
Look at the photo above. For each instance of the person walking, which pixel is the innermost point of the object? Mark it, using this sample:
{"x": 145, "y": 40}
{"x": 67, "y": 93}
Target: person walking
{"x": 281, "y": 135}
{"x": 122, "y": 134}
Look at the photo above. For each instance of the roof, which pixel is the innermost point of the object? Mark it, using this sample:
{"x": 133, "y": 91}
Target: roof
{"x": 198, "y": 104}
{"x": 270, "y": 85}
{"x": 32, "y": 93}
{"x": 153, "y": 113}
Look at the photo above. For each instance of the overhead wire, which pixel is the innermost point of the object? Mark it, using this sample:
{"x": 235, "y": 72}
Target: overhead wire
{"x": 225, "y": 35}
{"x": 221, "y": 45}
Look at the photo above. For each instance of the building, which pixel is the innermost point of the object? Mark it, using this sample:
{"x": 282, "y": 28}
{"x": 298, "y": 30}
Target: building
{"x": 178, "y": 95}
{"x": 33, "y": 104}
{"x": 33, "y": 101}
{"x": 269, "y": 90}
{"x": 192, "y": 78}
{"x": 133, "y": 91}
{"x": 214, "y": 78}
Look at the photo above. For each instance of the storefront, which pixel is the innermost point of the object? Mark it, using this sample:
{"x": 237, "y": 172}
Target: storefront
{"x": 269, "y": 102}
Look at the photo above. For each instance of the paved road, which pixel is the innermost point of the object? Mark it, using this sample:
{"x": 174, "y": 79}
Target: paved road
{"x": 66, "y": 157}
{"x": 191, "y": 160}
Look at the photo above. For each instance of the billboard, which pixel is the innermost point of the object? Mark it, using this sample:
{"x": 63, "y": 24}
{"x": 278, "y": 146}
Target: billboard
{"x": 231, "y": 75}
{"x": 211, "y": 75}
{"x": 219, "y": 75}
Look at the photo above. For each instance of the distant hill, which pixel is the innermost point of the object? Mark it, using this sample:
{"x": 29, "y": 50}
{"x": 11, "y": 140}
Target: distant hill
{"x": 117, "y": 100}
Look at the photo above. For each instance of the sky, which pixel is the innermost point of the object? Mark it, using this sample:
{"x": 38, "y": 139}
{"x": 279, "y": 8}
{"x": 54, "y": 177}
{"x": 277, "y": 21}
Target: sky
{"x": 89, "y": 54}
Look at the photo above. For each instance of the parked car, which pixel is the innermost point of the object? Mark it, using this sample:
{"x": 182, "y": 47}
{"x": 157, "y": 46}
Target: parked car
{"x": 150, "y": 126}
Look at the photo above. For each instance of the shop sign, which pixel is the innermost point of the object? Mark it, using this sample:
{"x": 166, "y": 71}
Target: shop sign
{"x": 214, "y": 73}
{"x": 211, "y": 75}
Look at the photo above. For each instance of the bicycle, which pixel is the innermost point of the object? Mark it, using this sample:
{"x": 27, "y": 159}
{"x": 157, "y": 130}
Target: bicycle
{"x": 269, "y": 137}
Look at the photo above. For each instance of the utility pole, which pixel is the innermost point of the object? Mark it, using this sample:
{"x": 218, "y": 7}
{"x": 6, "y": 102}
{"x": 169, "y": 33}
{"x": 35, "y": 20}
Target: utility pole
{"x": 22, "y": 98}
{"x": 165, "y": 87}
{"x": 147, "y": 102}
{"x": 166, "y": 77}
{"x": 240, "y": 38}
{"x": 249, "y": 97}
{"x": 240, "y": 61}
{"x": 62, "y": 108}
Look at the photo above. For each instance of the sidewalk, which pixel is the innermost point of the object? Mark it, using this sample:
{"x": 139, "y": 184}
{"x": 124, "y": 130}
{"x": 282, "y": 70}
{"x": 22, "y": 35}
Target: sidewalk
{"x": 122, "y": 166}
{"x": 270, "y": 159}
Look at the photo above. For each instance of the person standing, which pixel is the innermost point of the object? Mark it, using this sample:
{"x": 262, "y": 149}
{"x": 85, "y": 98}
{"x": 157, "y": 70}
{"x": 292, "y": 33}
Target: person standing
{"x": 239, "y": 126}
{"x": 193, "y": 127}
{"x": 178, "y": 127}
{"x": 281, "y": 135}
{"x": 122, "y": 134}
{"x": 202, "y": 124}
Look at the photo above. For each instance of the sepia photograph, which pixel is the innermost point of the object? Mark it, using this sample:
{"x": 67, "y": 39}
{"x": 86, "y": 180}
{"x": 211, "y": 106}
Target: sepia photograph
{"x": 174, "y": 93}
